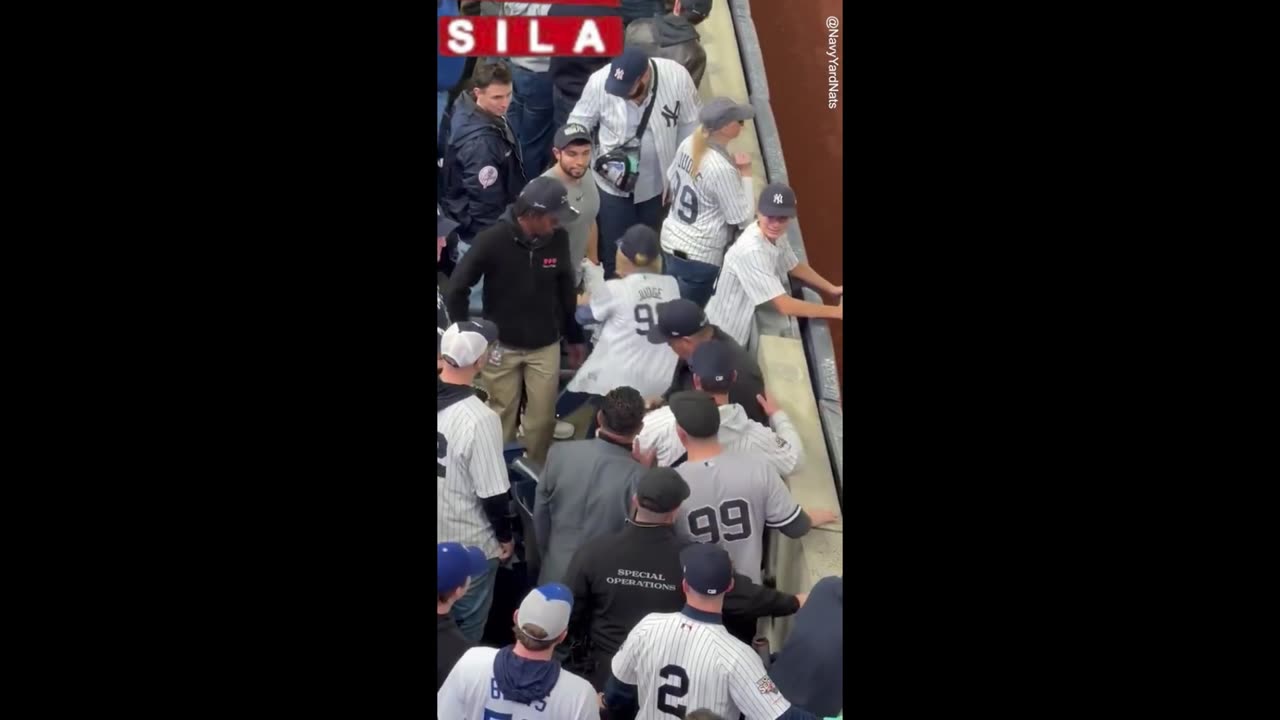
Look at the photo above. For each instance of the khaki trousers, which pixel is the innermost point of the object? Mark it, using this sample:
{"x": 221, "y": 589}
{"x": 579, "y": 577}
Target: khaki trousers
{"x": 535, "y": 372}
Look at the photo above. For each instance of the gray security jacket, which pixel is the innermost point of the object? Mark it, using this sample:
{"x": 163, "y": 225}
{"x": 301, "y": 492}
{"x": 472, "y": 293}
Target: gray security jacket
{"x": 584, "y": 492}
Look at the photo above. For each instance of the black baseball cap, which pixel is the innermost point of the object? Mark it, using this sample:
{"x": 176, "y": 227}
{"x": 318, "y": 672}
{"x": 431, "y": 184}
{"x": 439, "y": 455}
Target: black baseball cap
{"x": 570, "y": 134}
{"x": 777, "y": 200}
{"x": 707, "y": 568}
{"x": 712, "y": 362}
{"x": 640, "y": 245}
{"x": 661, "y": 490}
{"x": 696, "y": 413}
{"x": 547, "y": 194}
{"x": 701, "y": 7}
{"x": 444, "y": 223}
{"x": 625, "y": 70}
{"x": 677, "y": 319}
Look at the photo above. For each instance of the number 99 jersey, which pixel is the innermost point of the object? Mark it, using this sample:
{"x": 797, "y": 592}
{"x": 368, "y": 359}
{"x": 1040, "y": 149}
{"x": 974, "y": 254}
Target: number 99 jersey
{"x": 733, "y": 497}
{"x": 703, "y": 206}
{"x": 627, "y": 309}
{"x": 680, "y": 663}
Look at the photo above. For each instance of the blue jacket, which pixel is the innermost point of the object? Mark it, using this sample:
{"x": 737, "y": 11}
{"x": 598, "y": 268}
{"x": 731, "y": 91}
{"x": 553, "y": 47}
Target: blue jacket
{"x": 481, "y": 173}
{"x": 809, "y": 670}
{"x": 448, "y": 69}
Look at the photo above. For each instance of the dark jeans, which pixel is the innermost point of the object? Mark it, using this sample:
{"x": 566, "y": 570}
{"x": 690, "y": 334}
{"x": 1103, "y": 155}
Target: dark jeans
{"x": 617, "y": 214}
{"x": 697, "y": 280}
{"x": 531, "y": 119}
{"x": 471, "y": 611}
{"x": 561, "y": 106}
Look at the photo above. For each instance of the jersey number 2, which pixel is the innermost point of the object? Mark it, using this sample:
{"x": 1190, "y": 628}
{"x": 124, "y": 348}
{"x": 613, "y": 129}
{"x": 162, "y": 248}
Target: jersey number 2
{"x": 735, "y": 521}
{"x": 676, "y": 686}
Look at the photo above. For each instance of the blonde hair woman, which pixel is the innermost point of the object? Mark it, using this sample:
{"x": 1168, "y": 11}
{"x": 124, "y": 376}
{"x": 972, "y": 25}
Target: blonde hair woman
{"x": 711, "y": 196}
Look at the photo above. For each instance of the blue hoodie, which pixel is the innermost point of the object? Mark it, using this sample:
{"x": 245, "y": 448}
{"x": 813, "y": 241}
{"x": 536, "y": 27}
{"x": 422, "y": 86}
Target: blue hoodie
{"x": 449, "y": 69}
{"x": 524, "y": 681}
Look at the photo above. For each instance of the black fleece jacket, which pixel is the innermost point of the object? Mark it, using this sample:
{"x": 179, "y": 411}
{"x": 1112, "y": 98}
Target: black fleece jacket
{"x": 529, "y": 285}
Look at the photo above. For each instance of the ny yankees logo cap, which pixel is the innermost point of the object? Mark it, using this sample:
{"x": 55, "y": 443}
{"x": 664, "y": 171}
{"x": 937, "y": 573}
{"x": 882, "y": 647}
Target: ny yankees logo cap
{"x": 712, "y": 362}
{"x": 444, "y": 224}
{"x": 467, "y": 341}
{"x": 547, "y": 607}
{"x": 625, "y": 70}
{"x": 777, "y": 200}
{"x": 677, "y": 318}
{"x": 455, "y": 563}
{"x": 707, "y": 568}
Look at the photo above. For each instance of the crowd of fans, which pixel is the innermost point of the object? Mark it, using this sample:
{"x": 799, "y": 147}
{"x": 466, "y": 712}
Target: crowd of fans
{"x": 591, "y": 215}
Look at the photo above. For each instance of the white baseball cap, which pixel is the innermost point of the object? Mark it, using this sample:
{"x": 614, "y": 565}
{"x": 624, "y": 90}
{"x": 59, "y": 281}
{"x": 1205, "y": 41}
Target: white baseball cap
{"x": 467, "y": 341}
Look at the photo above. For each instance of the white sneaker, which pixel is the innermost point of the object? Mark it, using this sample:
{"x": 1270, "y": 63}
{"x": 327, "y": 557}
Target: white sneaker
{"x": 564, "y": 430}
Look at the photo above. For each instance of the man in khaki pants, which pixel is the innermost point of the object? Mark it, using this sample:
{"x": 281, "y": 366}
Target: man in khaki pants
{"x": 529, "y": 293}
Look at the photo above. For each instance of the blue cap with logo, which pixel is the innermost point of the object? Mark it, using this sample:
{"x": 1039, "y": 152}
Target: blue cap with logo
{"x": 707, "y": 568}
{"x": 455, "y": 563}
{"x": 712, "y": 362}
{"x": 639, "y": 244}
{"x": 677, "y": 318}
{"x": 625, "y": 70}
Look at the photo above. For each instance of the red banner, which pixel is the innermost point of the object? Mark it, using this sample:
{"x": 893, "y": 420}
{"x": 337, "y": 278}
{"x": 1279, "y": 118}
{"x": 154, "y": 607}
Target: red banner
{"x": 530, "y": 36}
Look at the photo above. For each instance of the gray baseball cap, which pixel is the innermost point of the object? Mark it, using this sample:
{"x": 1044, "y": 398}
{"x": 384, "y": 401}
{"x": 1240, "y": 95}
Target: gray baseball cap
{"x": 777, "y": 200}
{"x": 721, "y": 111}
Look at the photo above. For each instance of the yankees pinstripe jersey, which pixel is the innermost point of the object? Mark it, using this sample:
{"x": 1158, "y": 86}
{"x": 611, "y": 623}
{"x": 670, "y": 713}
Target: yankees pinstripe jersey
{"x": 471, "y": 693}
{"x": 623, "y": 353}
{"x": 704, "y": 206}
{"x": 469, "y": 466}
{"x": 779, "y": 444}
{"x": 685, "y": 661}
{"x": 733, "y": 497}
{"x": 675, "y": 114}
{"x": 752, "y": 274}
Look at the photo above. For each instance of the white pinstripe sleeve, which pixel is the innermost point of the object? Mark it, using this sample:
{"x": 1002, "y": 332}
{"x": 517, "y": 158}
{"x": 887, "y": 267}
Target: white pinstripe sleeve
{"x": 780, "y": 446}
{"x": 488, "y": 468}
{"x": 759, "y": 278}
{"x": 587, "y": 111}
{"x": 736, "y": 199}
{"x": 788, "y": 257}
{"x": 625, "y": 661}
{"x": 690, "y": 108}
{"x": 659, "y": 432}
{"x": 751, "y": 689}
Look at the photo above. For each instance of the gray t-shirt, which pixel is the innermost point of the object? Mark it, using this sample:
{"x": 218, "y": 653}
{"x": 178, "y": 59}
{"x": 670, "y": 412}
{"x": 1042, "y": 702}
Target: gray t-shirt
{"x": 584, "y": 196}
{"x": 733, "y": 497}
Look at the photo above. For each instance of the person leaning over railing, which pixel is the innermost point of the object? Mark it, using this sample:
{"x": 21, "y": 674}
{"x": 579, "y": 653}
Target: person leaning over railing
{"x": 673, "y": 36}
{"x": 753, "y": 268}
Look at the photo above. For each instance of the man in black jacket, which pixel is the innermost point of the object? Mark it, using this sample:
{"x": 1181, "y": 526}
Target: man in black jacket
{"x": 482, "y": 172}
{"x": 618, "y": 579}
{"x": 529, "y": 293}
{"x": 683, "y": 326}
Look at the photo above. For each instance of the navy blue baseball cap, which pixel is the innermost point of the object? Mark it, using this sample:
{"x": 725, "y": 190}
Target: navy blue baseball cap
{"x": 625, "y": 70}
{"x": 707, "y": 568}
{"x": 455, "y": 563}
{"x": 777, "y": 200}
{"x": 639, "y": 244}
{"x": 712, "y": 362}
{"x": 677, "y": 319}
